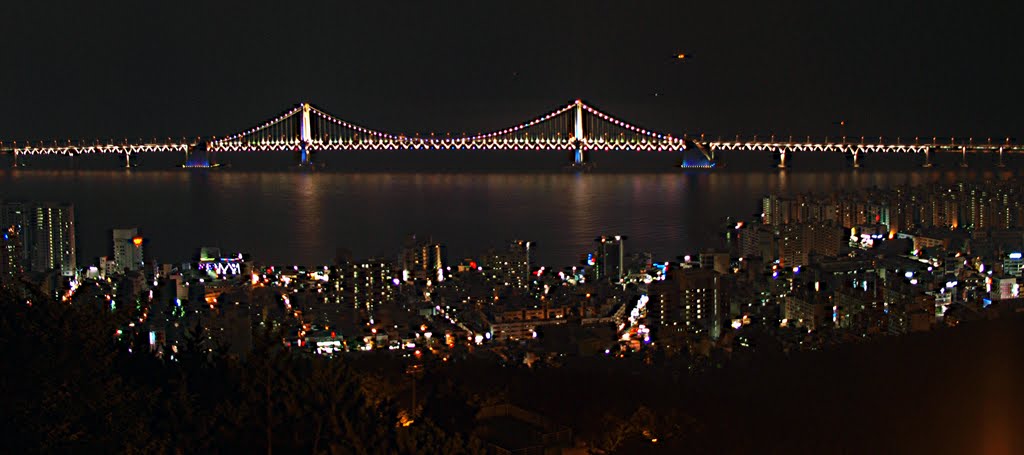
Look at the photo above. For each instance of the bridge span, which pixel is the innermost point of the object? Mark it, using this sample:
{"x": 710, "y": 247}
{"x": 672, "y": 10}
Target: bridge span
{"x": 576, "y": 128}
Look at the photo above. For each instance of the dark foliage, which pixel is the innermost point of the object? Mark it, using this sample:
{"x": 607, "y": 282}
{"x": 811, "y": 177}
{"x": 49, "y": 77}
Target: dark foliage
{"x": 72, "y": 384}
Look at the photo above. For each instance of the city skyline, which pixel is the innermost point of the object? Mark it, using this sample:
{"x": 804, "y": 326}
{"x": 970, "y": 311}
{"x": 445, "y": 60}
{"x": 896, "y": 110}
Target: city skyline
{"x": 585, "y": 227}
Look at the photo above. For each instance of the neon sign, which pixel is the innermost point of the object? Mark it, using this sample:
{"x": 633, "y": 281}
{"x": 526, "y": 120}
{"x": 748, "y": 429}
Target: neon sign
{"x": 222, "y": 267}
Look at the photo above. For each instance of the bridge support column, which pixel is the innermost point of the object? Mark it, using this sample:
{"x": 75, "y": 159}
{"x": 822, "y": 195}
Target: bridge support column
{"x": 782, "y": 159}
{"x": 127, "y": 159}
{"x": 963, "y": 154}
{"x": 1001, "y": 158}
{"x": 856, "y": 159}
{"x": 927, "y": 157}
{"x": 579, "y": 158}
{"x": 305, "y": 137}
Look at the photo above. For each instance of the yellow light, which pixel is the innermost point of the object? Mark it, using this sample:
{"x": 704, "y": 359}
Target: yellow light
{"x": 137, "y": 241}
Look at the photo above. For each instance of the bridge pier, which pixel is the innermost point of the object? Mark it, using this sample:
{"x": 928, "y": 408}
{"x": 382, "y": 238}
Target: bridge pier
{"x": 782, "y": 159}
{"x": 127, "y": 159}
{"x": 304, "y": 155}
{"x": 856, "y": 159}
{"x": 963, "y": 152}
{"x": 1001, "y": 158}
{"x": 927, "y": 157}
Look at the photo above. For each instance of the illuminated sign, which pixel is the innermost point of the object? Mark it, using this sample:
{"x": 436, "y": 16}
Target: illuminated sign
{"x": 222, "y": 267}
{"x": 1015, "y": 255}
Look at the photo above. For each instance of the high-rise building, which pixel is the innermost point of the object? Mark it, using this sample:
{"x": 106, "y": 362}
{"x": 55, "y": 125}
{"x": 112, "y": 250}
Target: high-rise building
{"x": 687, "y": 303}
{"x": 127, "y": 250}
{"x": 513, "y": 265}
{"x": 823, "y": 238}
{"x": 718, "y": 261}
{"x": 779, "y": 210}
{"x": 610, "y": 257}
{"x": 422, "y": 259}
{"x": 47, "y": 234}
{"x": 10, "y": 256}
{"x": 363, "y": 285}
{"x": 798, "y": 241}
{"x": 792, "y": 246}
{"x": 757, "y": 241}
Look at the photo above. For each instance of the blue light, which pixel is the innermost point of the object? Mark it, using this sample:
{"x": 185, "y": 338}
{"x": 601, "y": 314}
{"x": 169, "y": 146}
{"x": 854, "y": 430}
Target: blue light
{"x": 1015, "y": 255}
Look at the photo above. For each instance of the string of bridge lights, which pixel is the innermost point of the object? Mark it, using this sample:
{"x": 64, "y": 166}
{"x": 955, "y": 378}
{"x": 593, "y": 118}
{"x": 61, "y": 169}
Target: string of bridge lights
{"x": 265, "y": 125}
{"x": 267, "y": 138}
{"x": 348, "y": 125}
{"x": 628, "y": 126}
{"x": 522, "y": 125}
{"x": 100, "y": 149}
{"x": 448, "y": 142}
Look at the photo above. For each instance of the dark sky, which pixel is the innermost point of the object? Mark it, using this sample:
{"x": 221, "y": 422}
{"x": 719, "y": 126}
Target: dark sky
{"x": 74, "y": 69}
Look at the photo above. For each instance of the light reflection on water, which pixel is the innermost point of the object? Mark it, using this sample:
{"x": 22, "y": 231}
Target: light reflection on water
{"x": 296, "y": 217}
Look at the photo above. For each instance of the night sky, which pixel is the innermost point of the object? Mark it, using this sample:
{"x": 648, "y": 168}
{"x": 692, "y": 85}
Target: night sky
{"x": 81, "y": 69}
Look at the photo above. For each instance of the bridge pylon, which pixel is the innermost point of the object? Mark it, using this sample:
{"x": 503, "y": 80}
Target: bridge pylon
{"x": 578, "y": 158}
{"x": 305, "y": 137}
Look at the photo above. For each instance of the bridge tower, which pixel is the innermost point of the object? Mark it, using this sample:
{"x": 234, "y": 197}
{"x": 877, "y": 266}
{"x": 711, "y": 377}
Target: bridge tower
{"x": 578, "y": 158}
{"x": 305, "y": 137}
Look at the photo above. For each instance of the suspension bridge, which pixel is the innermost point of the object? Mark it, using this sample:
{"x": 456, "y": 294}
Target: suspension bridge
{"x": 576, "y": 128}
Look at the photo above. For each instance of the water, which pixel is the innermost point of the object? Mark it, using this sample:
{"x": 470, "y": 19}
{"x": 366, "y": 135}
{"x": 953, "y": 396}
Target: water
{"x": 294, "y": 217}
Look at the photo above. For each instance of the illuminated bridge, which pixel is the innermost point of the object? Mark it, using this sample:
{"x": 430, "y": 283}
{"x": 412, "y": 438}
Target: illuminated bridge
{"x": 575, "y": 128}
